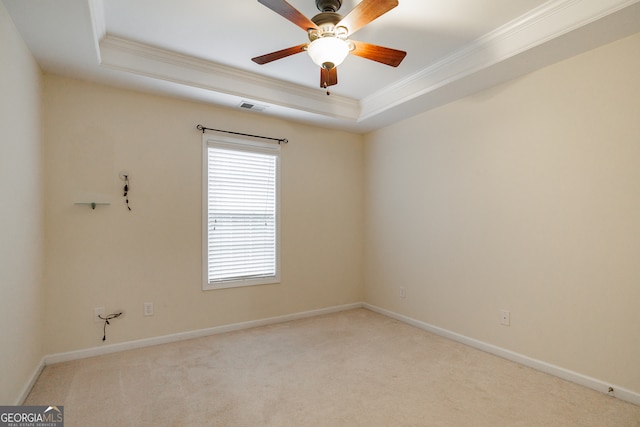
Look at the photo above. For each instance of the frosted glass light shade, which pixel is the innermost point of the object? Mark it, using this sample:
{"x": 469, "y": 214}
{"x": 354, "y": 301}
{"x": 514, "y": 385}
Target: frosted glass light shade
{"x": 328, "y": 52}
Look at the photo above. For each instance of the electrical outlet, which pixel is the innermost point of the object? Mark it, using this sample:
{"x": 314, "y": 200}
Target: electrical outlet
{"x": 403, "y": 292}
{"x": 148, "y": 309}
{"x": 97, "y": 312}
{"x": 505, "y": 317}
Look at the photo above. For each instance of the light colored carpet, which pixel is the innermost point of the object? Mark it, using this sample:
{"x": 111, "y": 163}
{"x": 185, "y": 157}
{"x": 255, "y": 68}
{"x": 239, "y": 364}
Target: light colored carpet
{"x": 354, "y": 368}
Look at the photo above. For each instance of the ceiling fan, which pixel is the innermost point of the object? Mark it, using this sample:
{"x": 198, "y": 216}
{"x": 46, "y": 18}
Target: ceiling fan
{"x": 329, "y": 33}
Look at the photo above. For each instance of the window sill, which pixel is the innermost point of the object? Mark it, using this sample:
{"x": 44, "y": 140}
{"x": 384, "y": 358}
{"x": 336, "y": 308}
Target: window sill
{"x": 240, "y": 283}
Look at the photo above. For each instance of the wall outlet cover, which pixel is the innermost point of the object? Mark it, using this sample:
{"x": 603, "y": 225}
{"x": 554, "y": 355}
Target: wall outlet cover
{"x": 505, "y": 317}
{"x": 148, "y": 309}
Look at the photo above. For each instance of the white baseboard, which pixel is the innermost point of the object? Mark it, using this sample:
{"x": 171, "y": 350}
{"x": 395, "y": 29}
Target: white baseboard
{"x": 164, "y": 339}
{"x": 32, "y": 380}
{"x": 583, "y": 380}
{"x": 586, "y": 381}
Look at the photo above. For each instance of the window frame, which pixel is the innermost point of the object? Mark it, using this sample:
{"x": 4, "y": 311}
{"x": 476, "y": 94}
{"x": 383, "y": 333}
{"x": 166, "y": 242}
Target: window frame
{"x": 237, "y": 144}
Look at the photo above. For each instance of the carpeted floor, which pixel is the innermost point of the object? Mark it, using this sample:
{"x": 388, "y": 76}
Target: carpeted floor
{"x": 354, "y": 368}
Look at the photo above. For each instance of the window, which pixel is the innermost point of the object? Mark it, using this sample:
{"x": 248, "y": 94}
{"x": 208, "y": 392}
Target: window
{"x": 241, "y": 213}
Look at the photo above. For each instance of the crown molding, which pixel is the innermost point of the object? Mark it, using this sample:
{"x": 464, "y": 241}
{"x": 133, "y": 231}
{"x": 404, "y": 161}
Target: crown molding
{"x": 551, "y": 20}
{"x": 98, "y": 24}
{"x": 139, "y": 58}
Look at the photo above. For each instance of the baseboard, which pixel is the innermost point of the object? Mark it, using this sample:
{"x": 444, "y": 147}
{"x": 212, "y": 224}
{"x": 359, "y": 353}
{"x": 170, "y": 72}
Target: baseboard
{"x": 165, "y": 339}
{"x": 32, "y": 380}
{"x": 583, "y": 380}
{"x": 575, "y": 377}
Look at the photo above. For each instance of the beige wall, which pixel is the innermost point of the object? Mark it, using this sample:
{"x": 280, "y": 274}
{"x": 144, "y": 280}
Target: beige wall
{"x": 21, "y": 223}
{"x": 524, "y": 197}
{"x": 110, "y": 257}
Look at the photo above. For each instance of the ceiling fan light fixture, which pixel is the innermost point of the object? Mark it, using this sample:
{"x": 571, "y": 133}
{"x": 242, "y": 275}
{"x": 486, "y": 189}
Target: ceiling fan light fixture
{"x": 328, "y": 52}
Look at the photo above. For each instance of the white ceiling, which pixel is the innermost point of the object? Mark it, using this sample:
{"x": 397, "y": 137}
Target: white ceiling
{"x": 202, "y": 50}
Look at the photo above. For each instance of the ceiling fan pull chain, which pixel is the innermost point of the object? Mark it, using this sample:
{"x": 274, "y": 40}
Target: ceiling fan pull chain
{"x": 325, "y": 86}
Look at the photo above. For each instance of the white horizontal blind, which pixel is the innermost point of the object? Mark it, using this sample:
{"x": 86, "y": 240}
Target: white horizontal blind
{"x": 241, "y": 215}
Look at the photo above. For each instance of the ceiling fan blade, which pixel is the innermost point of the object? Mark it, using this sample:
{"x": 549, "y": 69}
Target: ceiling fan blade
{"x": 284, "y": 9}
{"x": 365, "y": 12}
{"x": 328, "y": 77}
{"x": 384, "y": 55}
{"x": 265, "y": 59}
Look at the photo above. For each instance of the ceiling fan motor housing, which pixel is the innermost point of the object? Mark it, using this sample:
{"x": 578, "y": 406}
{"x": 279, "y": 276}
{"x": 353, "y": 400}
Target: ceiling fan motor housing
{"x": 326, "y": 21}
{"x": 328, "y": 5}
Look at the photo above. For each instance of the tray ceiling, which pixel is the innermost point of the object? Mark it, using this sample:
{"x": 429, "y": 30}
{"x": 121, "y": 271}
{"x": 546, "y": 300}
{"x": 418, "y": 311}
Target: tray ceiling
{"x": 202, "y": 50}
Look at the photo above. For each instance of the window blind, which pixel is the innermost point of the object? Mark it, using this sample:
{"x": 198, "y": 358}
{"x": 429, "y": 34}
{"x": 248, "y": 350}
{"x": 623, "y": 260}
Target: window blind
{"x": 241, "y": 214}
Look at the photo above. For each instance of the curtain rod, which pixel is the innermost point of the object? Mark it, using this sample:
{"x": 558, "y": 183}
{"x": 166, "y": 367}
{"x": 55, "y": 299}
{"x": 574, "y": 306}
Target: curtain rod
{"x": 280, "y": 140}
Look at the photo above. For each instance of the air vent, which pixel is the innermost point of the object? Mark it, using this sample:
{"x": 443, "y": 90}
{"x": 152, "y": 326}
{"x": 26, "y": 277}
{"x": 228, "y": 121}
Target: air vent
{"x": 252, "y": 106}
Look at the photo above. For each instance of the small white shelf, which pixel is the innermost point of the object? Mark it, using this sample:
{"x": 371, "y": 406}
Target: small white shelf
{"x": 92, "y": 204}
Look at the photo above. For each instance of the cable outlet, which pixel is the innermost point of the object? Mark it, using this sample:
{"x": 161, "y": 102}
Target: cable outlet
{"x": 148, "y": 309}
{"x": 505, "y": 317}
{"x": 97, "y": 312}
{"x": 403, "y": 292}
